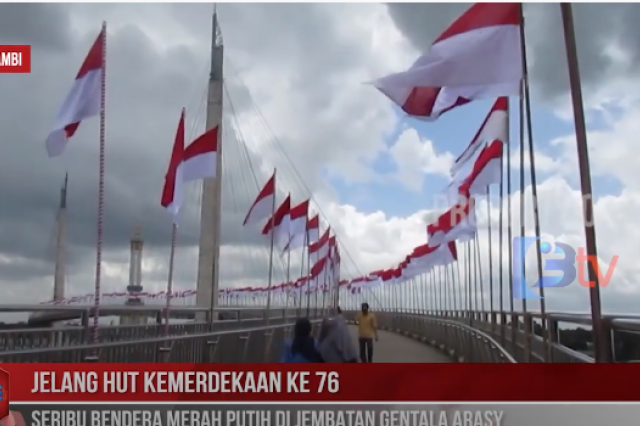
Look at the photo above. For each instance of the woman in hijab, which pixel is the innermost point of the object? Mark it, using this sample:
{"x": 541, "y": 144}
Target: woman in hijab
{"x": 335, "y": 343}
{"x": 303, "y": 346}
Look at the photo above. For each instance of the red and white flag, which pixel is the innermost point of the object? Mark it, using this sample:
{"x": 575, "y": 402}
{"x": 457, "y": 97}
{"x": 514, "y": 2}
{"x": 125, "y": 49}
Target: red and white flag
{"x": 495, "y": 127}
{"x": 263, "y": 206}
{"x": 320, "y": 269}
{"x": 298, "y": 225}
{"x": 313, "y": 229}
{"x": 84, "y": 99}
{"x": 457, "y": 223}
{"x": 172, "y": 193}
{"x": 320, "y": 248}
{"x": 486, "y": 171}
{"x": 199, "y": 159}
{"x": 477, "y": 57}
{"x": 279, "y": 224}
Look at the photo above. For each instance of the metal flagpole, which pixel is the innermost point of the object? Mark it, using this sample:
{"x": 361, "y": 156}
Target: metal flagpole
{"x": 600, "y": 341}
{"x": 174, "y": 232}
{"x": 271, "y": 244}
{"x": 534, "y": 185}
{"x": 101, "y": 165}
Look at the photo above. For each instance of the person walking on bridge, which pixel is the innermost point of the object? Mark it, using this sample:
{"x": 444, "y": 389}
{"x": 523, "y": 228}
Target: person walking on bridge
{"x": 335, "y": 343}
{"x": 367, "y": 332}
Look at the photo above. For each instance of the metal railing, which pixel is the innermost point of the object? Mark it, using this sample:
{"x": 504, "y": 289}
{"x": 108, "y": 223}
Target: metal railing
{"x": 239, "y": 340}
{"x": 532, "y": 337}
{"x": 254, "y": 344}
{"x": 460, "y": 342}
{"x": 69, "y": 335}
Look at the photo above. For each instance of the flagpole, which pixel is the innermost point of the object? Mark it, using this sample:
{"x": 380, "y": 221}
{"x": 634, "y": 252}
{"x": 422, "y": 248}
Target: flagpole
{"x": 273, "y": 212}
{"x": 599, "y": 336}
{"x": 534, "y": 186}
{"x": 501, "y": 225}
{"x": 288, "y": 276}
{"x": 523, "y": 277}
{"x": 510, "y": 245}
{"x": 491, "y": 254}
{"x": 306, "y": 283}
{"x": 101, "y": 163}
{"x": 317, "y": 285}
{"x": 174, "y": 232}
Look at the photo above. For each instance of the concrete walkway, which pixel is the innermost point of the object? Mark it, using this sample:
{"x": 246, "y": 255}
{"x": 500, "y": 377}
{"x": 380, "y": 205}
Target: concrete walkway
{"x": 396, "y": 348}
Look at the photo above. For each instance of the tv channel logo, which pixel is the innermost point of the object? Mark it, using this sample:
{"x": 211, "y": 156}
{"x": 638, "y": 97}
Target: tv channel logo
{"x": 558, "y": 266}
{"x": 561, "y": 266}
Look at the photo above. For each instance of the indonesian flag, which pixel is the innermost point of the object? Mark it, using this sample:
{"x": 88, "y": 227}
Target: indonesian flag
{"x": 263, "y": 206}
{"x": 172, "y": 193}
{"x": 279, "y": 224}
{"x": 197, "y": 161}
{"x": 84, "y": 99}
{"x": 486, "y": 171}
{"x": 320, "y": 248}
{"x": 320, "y": 269}
{"x": 494, "y": 127}
{"x": 477, "y": 57}
{"x": 313, "y": 229}
{"x": 298, "y": 225}
{"x": 457, "y": 223}
{"x": 425, "y": 257}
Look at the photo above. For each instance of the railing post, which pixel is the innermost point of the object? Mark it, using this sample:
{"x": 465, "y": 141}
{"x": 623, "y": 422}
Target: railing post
{"x": 607, "y": 340}
{"x": 86, "y": 315}
{"x": 554, "y": 338}
{"x": 527, "y": 319}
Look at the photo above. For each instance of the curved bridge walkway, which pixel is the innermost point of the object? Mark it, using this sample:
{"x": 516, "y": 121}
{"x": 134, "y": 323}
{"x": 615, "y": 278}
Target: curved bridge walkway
{"x": 393, "y": 347}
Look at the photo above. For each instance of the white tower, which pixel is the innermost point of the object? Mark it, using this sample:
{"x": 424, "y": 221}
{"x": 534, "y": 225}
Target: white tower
{"x": 135, "y": 280}
{"x": 211, "y": 212}
{"x": 135, "y": 269}
{"x": 59, "y": 273}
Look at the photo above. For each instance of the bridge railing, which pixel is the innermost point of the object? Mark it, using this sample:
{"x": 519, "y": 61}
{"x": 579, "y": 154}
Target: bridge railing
{"x": 532, "y": 337}
{"x": 33, "y": 338}
{"x": 460, "y": 342}
{"x": 254, "y": 344}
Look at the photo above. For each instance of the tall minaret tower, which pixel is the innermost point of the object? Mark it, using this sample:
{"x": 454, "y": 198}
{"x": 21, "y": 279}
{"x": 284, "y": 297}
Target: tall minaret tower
{"x": 135, "y": 281}
{"x": 211, "y": 212}
{"x": 135, "y": 269}
{"x": 59, "y": 273}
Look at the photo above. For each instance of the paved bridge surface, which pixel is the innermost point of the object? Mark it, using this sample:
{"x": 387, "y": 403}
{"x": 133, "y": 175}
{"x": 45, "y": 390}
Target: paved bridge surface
{"x": 395, "y": 348}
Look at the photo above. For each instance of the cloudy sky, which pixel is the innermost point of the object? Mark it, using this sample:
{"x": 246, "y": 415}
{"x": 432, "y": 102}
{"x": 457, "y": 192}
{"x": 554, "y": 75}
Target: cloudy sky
{"x": 295, "y": 100}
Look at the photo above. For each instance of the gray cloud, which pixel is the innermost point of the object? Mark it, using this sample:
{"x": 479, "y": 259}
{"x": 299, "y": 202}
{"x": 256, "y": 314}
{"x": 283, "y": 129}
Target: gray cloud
{"x": 43, "y": 26}
{"x": 157, "y": 64}
{"x": 598, "y": 26}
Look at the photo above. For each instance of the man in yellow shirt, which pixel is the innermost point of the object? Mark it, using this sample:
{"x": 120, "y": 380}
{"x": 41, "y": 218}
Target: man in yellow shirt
{"x": 367, "y": 331}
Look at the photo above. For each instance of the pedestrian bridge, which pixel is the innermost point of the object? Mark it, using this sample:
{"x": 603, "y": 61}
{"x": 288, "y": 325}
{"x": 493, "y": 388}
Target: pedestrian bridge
{"x": 254, "y": 334}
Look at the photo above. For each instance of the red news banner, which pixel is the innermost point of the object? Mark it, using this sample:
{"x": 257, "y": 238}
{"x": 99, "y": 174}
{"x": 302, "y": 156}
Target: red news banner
{"x": 319, "y": 382}
{"x": 15, "y": 58}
